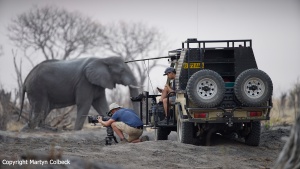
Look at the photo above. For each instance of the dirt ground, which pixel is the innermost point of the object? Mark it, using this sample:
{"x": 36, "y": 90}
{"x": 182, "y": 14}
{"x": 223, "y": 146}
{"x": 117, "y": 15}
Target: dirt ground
{"x": 89, "y": 145}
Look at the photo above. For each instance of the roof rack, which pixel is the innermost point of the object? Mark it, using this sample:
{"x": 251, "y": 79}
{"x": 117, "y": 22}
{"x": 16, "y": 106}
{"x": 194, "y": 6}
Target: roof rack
{"x": 202, "y": 43}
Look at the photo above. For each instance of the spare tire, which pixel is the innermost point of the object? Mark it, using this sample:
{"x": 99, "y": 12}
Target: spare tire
{"x": 253, "y": 87}
{"x": 206, "y": 88}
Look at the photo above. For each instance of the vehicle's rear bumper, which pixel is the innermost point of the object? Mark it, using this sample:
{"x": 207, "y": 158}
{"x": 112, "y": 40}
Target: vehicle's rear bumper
{"x": 228, "y": 116}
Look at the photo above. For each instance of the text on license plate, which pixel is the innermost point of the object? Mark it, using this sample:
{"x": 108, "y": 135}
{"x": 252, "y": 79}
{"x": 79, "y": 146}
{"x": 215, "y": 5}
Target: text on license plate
{"x": 193, "y": 65}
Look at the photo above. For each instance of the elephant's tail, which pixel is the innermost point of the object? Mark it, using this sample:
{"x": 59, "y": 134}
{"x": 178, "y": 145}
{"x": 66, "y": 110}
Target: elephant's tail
{"x": 22, "y": 101}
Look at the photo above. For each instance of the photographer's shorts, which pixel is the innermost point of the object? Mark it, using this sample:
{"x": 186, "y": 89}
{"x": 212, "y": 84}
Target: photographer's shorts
{"x": 133, "y": 133}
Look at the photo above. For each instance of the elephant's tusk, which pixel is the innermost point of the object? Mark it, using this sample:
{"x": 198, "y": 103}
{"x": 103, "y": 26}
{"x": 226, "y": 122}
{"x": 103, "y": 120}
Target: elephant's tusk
{"x": 132, "y": 86}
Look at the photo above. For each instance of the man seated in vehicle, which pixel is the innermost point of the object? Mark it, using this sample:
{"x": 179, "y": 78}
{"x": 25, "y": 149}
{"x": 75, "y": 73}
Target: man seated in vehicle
{"x": 171, "y": 73}
{"x": 125, "y": 121}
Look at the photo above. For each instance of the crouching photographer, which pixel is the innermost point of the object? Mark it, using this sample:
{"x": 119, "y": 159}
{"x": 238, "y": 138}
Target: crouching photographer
{"x": 110, "y": 132}
{"x": 125, "y": 121}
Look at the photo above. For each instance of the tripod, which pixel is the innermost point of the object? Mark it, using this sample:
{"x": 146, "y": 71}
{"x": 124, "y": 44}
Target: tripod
{"x": 110, "y": 136}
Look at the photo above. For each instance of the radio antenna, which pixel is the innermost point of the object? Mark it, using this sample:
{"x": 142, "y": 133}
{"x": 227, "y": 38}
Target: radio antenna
{"x": 197, "y": 16}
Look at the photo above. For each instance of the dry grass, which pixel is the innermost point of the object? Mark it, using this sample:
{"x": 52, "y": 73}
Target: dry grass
{"x": 14, "y": 126}
{"x": 280, "y": 116}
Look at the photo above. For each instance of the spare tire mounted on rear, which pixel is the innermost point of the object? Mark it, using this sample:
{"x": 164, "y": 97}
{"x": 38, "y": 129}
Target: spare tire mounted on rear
{"x": 253, "y": 87}
{"x": 206, "y": 88}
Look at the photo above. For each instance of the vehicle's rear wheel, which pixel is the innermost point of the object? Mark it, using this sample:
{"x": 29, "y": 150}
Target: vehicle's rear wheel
{"x": 162, "y": 133}
{"x": 185, "y": 132}
{"x": 206, "y": 88}
{"x": 253, "y": 87}
{"x": 253, "y": 138}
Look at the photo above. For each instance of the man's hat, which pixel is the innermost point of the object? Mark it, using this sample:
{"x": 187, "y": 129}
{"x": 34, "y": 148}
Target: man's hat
{"x": 113, "y": 106}
{"x": 169, "y": 70}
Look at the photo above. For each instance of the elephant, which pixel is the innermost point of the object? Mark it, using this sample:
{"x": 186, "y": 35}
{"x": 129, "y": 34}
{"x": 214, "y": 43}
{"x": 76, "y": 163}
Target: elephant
{"x": 82, "y": 82}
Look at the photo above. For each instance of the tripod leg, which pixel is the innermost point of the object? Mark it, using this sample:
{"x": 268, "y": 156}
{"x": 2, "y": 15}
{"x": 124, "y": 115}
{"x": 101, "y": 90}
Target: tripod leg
{"x": 115, "y": 139}
{"x": 108, "y": 141}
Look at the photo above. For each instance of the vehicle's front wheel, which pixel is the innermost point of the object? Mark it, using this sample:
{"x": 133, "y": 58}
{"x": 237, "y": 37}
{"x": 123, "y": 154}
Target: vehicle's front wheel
{"x": 162, "y": 133}
{"x": 185, "y": 132}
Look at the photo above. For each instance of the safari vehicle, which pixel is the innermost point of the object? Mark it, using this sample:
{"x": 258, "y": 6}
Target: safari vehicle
{"x": 219, "y": 89}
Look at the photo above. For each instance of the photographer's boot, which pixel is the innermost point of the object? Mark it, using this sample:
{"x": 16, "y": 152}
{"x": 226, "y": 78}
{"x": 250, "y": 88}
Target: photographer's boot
{"x": 144, "y": 138}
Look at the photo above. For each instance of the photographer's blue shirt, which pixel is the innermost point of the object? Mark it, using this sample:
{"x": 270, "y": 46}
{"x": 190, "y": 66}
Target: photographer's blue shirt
{"x": 127, "y": 116}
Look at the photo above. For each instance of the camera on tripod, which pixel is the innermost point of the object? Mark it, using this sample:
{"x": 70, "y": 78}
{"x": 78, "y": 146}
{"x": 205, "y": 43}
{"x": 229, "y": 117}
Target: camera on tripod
{"x": 94, "y": 119}
{"x": 110, "y": 132}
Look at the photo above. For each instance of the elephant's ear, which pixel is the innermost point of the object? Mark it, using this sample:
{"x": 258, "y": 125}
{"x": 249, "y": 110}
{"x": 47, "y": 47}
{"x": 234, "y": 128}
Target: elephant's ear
{"x": 98, "y": 74}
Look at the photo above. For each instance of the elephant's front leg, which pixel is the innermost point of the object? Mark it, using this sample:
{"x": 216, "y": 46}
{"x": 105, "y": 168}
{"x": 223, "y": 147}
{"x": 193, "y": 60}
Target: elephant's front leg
{"x": 100, "y": 104}
{"x": 83, "y": 107}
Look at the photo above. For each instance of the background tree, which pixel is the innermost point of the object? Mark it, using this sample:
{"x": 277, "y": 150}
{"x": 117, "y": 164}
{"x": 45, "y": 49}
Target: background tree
{"x": 49, "y": 32}
{"x": 294, "y": 98}
{"x": 18, "y": 71}
{"x": 58, "y": 34}
{"x": 1, "y": 50}
{"x": 282, "y": 104}
{"x": 52, "y": 33}
{"x": 134, "y": 41}
{"x": 55, "y": 33}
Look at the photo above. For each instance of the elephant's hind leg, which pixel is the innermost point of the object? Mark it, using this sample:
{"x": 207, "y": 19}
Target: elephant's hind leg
{"x": 39, "y": 112}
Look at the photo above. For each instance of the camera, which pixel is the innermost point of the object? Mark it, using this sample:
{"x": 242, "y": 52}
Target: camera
{"x": 110, "y": 132}
{"x": 94, "y": 119}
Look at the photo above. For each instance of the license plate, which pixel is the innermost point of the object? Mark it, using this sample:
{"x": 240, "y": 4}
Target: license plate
{"x": 193, "y": 65}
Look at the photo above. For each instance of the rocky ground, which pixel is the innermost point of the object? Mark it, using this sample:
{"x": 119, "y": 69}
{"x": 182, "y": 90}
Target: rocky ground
{"x": 87, "y": 149}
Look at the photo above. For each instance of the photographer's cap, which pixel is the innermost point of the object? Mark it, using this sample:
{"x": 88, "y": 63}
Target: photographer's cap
{"x": 113, "y": 106}
{"x": 169, "y": 70}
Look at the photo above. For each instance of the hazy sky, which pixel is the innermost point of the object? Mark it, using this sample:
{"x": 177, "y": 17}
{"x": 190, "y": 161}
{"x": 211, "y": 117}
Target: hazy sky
{"x": 273, "y": 25}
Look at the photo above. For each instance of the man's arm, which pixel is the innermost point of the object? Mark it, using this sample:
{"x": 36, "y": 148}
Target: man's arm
{"x": 169, "y": 89}
{"x": 105, "y": 123}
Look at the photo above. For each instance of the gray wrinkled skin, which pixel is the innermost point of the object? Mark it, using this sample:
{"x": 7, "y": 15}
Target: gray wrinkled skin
{"x": 56, "y": 84}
